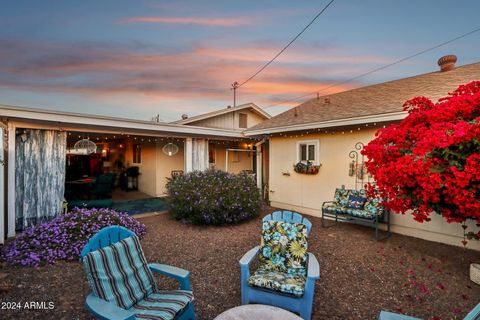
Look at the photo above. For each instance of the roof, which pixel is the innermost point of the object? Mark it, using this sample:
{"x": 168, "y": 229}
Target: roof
{"x": 72, "y": 120}
{"x": 212, "y": 114}
{"x": 375, "y": 103}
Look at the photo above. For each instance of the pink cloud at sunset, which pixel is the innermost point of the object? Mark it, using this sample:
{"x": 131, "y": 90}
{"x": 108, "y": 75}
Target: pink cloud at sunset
{"x": 211, "y": 22}
{"x": 192, "y": 73}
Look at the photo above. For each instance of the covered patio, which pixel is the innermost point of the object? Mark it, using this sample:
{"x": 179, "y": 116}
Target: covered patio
{"x": 93, "y": 158}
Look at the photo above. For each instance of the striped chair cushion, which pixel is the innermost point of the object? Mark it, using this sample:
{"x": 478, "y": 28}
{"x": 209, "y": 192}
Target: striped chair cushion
{"x": 119, "y": 273}
{"x": 162, "y": 305}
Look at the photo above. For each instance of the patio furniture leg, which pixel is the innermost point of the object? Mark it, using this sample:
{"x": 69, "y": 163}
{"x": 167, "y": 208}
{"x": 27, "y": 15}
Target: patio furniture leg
{"x": 332, "y": 224}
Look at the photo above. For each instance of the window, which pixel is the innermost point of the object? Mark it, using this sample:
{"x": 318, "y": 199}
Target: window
{"x": 308, "y": 151}
{"x": 137, "y": 153}
{"x": 242, "y": 120}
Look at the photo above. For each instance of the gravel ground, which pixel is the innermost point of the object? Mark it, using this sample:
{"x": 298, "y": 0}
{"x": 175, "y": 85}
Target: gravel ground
{"x": 359, "y": 276}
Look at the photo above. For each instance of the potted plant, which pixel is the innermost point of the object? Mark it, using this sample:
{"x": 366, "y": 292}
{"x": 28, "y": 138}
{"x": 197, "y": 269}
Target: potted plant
{"x": 306, "y": 168}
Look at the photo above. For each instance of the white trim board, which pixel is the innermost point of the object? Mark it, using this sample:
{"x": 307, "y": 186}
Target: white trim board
{"x": 396, "y": 116}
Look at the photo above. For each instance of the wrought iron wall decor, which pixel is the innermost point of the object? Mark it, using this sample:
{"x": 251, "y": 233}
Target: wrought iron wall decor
{"x": 357, "y": 167}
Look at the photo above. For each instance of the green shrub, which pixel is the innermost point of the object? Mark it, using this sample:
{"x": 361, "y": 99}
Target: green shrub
{"x": 213, "y": 197}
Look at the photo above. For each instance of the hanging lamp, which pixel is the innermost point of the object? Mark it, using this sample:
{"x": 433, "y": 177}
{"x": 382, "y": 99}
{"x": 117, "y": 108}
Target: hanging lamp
{"x": 170, "y": 149}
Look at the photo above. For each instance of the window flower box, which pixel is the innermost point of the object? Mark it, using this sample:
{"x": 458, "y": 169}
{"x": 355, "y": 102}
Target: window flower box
{"x": 306, "y": 168}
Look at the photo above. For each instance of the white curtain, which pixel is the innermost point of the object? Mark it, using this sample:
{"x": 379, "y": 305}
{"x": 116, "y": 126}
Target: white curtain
{"x": 39, "y": 175}
{"x": 200, "y": 154}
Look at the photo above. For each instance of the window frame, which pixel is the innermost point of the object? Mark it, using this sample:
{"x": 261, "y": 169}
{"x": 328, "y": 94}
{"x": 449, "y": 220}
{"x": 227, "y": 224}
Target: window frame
{"x": 316, "y": 144}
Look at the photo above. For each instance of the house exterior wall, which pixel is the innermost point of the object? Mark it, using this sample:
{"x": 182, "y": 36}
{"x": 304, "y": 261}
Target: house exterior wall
{"x": 306, "y": 193}
{"x": 229, "y": 120}
{"x": 166, "y": 164}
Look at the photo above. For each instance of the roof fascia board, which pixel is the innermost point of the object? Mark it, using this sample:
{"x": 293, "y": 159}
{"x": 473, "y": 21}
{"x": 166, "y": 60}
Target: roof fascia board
{"x": 331, "y": 123}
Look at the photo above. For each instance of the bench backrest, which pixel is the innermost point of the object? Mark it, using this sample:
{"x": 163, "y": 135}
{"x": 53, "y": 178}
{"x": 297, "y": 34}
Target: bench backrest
{"x": 372, "y": 205}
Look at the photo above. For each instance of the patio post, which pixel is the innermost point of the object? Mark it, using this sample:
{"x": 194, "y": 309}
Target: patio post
{"x": 11, "y": 180}
{"x": 188, "y": 155}
{"x": 2, "y": 187}
{"x": 259, "y": 160}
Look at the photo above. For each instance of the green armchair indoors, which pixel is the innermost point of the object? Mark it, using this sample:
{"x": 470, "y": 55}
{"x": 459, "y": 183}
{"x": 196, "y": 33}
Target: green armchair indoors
{"x": 103, "y": 186}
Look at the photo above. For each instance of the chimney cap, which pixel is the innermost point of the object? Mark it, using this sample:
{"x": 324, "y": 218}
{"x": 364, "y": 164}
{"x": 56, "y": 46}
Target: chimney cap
{"x": 184, "y": 116}
{"x": 447, "y": 62}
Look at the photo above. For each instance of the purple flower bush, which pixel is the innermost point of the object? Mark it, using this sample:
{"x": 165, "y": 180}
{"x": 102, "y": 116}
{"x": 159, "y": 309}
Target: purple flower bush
{"x": 64, "y": 237}
{"x": 213, "y": 197}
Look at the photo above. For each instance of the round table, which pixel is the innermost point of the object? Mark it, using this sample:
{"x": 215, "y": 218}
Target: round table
{"x": 257, "y": 311}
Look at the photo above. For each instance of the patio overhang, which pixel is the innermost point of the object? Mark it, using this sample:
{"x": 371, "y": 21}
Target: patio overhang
{"x": 82, "y": 122}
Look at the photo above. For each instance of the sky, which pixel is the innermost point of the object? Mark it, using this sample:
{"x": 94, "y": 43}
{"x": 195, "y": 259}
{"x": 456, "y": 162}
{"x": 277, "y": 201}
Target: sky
{"x": 137, "y": 59}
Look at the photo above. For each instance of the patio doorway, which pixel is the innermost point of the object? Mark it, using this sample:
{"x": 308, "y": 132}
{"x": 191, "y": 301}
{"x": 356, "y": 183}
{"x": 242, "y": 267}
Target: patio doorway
{"x": 119, "y": 170}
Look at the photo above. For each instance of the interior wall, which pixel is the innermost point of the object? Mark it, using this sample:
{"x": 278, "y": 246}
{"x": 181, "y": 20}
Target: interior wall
{"x": 147, "y": 167}
{"x": 306, "y": 193}
{"x": 236, "y": 163}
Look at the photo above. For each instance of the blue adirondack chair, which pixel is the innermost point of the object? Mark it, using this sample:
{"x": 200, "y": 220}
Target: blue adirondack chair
{"x": 474, "y": 314}
{"x": 299, "y": 304}
{"x": 102, "y": 309}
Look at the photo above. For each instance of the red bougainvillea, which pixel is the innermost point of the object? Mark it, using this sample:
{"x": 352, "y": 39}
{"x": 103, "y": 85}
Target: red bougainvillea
{"x": 430, "y": 161}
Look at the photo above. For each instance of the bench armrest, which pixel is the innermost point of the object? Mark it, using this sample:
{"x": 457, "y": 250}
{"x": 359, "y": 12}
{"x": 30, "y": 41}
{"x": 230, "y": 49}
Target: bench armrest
{"x": 325, "y": 202}
{"x": 179, "y": 274}
{"x": 102, "y": 309}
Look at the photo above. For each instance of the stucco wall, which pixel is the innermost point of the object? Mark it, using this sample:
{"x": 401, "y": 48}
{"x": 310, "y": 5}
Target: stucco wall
{"x": 306, "y": 193}
{"x": 165, "y": 165}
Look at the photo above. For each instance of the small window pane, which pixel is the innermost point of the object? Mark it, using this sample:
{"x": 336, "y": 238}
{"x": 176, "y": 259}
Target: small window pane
{"x": 311, "y": 152}
{"x": 303, "y": 152}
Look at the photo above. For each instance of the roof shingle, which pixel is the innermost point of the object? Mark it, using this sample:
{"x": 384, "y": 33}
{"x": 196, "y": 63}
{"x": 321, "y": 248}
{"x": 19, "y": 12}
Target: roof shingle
{"x": 387, "y": 97}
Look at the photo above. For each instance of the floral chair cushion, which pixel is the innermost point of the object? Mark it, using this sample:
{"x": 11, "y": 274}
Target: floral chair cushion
{"x": 370, "y": 210}
{"x": 292, "y": 282}
{"x": 283, "y": 246}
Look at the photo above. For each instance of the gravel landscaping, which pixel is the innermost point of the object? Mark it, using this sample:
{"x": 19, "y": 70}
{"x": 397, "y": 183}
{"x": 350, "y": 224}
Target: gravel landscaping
{"x": 359, "y": 276}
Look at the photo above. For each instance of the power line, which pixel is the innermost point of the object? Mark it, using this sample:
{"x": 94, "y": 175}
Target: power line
{"x": 288, "y": 45}
{"x": 381, "y": 67}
